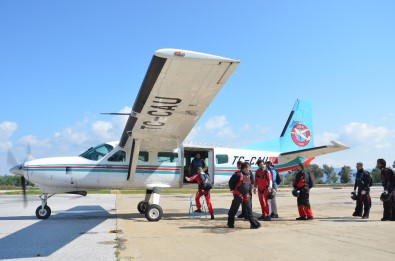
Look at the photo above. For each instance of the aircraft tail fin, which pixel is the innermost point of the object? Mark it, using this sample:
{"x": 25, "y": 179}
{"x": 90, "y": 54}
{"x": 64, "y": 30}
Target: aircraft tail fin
{"x": 298, "y": 130}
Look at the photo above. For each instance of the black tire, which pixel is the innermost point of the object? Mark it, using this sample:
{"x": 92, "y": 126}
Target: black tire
{"x": 153, "y": 213}
{"x": 142, "y": 206}
{"x": 43, "y": 213}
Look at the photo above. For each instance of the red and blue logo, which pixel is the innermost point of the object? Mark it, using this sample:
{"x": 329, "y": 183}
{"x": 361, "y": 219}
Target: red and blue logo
{"x": 300, "y": 135}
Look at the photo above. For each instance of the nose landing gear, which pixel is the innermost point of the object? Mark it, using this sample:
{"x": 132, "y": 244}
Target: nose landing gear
{"x": 43, "y": 211}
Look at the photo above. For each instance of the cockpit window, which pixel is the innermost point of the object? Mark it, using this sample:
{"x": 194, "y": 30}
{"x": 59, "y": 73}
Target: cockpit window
{"x": 118, "y": 156}
{"x": 97, "y": 152}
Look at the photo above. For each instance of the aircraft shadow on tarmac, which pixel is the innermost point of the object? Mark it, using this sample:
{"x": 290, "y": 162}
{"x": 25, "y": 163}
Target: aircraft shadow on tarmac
{"x": 45, "y": 237}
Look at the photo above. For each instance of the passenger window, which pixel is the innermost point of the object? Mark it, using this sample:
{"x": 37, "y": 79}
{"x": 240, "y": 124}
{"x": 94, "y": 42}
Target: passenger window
{"x": 143, "y": 156}
{"x": 221, "y": 159}
{"x": 167, "y": 157}
{"x": 119, "y": 156}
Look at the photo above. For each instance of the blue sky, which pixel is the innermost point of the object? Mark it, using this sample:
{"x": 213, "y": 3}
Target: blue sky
{"x": 64, "y": 62}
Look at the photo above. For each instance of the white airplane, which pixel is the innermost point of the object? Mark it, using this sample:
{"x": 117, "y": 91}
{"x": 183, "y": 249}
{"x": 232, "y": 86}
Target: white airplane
{"x": 176, "y": 90}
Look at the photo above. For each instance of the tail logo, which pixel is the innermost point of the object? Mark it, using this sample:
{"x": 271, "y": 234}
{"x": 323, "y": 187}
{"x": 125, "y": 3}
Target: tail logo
{"x": 300, "y": 135}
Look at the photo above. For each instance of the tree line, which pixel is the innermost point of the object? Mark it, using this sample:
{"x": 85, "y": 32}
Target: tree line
{"x": 12, "y": 181}
{"x": 327, "y": 175}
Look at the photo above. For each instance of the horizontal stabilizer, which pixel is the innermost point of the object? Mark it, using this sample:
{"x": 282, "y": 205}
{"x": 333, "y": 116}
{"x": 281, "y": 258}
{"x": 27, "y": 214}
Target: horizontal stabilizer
{"x": 311, "y": 152}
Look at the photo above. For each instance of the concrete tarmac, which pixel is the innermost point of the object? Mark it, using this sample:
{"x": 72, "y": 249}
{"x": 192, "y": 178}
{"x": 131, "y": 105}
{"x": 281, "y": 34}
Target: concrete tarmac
{"x": 78, "y": 229}
{"x": 333, "y": 234}
{"x": 95, "y": 227}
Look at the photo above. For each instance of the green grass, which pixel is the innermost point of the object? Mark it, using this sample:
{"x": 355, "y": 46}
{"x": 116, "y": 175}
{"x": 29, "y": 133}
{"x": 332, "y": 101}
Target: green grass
{"x": 36, "y": 191}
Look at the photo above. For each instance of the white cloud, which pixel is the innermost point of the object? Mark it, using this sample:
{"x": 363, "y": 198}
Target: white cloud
{"x": 216, "y": 122}
{"x": 325, "y": 138}
{"x": 226, "y": 133}
{"x": 102, "y": 129}
{"x": 367, "y": 143}
{"x": 7, "y": 128}
{"x": 356, "y": 133}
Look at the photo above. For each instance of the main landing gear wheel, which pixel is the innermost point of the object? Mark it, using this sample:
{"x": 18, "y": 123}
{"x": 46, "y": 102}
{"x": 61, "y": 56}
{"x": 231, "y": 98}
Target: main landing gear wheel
{"x": 142, "y": 206}
{"x": 154, "y": 212}
{"x": 43, "y": 213}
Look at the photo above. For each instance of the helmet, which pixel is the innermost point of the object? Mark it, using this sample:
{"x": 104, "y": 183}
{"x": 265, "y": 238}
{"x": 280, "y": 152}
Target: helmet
{"x": 385, "y": 196}
{"x": 270, "y": 195}
{"x": 354, "y": 196}
{"x": 295, "y": 192}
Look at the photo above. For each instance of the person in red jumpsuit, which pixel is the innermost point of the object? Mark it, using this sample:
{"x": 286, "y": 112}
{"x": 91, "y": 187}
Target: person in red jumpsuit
{"x": 301, "y": 183}
{"x": 263, "y": 182}
{"x": 201, "y": 192}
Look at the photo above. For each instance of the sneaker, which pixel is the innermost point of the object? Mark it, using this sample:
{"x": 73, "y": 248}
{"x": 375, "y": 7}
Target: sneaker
{"x": 230, "y": 226}
{"x": 212, "y": 216}
{"x": 272, "y": 215}
{"x": 198, "y": 210}
{"x": 301, "y": 218}
{"x": 261, "y": 218}
{"x": 256, "y": 227}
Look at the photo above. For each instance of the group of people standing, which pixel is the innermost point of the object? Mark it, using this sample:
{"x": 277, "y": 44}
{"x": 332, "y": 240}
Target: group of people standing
{"x": 361, "y": 193}
{"x": 243, "y": 183}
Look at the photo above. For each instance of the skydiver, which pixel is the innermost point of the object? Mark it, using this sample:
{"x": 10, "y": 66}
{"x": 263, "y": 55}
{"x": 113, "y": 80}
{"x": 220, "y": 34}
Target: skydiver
{"x": 201, "y": 192}
{"x": 363, "y": 181}
{"x": 388, "y": 183}
{"x": 240, "y": 185}
{"x": 263, "y": 182}
{"x": 273, "y": 201}
{"x": 301, "y": 184}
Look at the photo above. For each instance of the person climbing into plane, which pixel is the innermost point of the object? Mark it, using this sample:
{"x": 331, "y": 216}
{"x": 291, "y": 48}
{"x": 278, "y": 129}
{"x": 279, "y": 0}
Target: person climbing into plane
{"x": 195, "y": 164}
{"x": 240, "y": 184}
{"x": 301, "y": 185}
{"x": 202, "y": 191}
{"x": 263, "y": 182}
{"x": 363, "y": 181}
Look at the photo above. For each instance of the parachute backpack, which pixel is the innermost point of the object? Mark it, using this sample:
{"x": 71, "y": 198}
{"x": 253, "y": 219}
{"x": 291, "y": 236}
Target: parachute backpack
{"x": 311, "y": 180}
{"x": 278, "y": 178}
{"x": 206, "y": 181}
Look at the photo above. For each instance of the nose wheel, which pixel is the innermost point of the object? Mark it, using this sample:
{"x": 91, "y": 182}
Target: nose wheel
{"x": 43, "y": 213}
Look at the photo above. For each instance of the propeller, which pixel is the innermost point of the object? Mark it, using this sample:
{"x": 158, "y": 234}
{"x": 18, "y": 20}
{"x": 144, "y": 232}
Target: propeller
{"x": 17, "y": 169}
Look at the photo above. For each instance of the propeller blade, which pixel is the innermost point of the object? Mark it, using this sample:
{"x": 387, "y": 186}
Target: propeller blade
{"x": 28, "y": 153}
{"x": 23, "y": 182}
{"x": 11, "y": 161}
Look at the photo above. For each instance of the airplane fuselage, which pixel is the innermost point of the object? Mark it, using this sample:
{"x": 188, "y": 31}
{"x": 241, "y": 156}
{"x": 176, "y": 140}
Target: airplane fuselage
{"x": 153, "y": 169}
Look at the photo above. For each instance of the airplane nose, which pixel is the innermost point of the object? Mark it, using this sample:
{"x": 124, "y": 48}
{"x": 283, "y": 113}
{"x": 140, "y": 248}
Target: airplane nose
{"x": 17, "y": 170}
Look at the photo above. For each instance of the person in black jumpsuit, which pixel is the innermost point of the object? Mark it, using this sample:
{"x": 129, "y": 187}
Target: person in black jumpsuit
{"x": 240, "y": 185}
{"x": 252, "y": 178}
{"x": 363, "y": 181}
{"x": 388, "y": 183}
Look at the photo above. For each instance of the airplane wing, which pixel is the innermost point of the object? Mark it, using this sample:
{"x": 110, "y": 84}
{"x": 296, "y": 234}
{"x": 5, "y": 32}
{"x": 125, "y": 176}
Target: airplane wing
{"x": 177, "y": 88}
{"x": 312, "y": 152}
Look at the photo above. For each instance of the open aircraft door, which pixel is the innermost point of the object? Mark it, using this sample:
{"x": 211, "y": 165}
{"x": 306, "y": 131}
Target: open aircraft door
{"x": 210, "y": 165}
